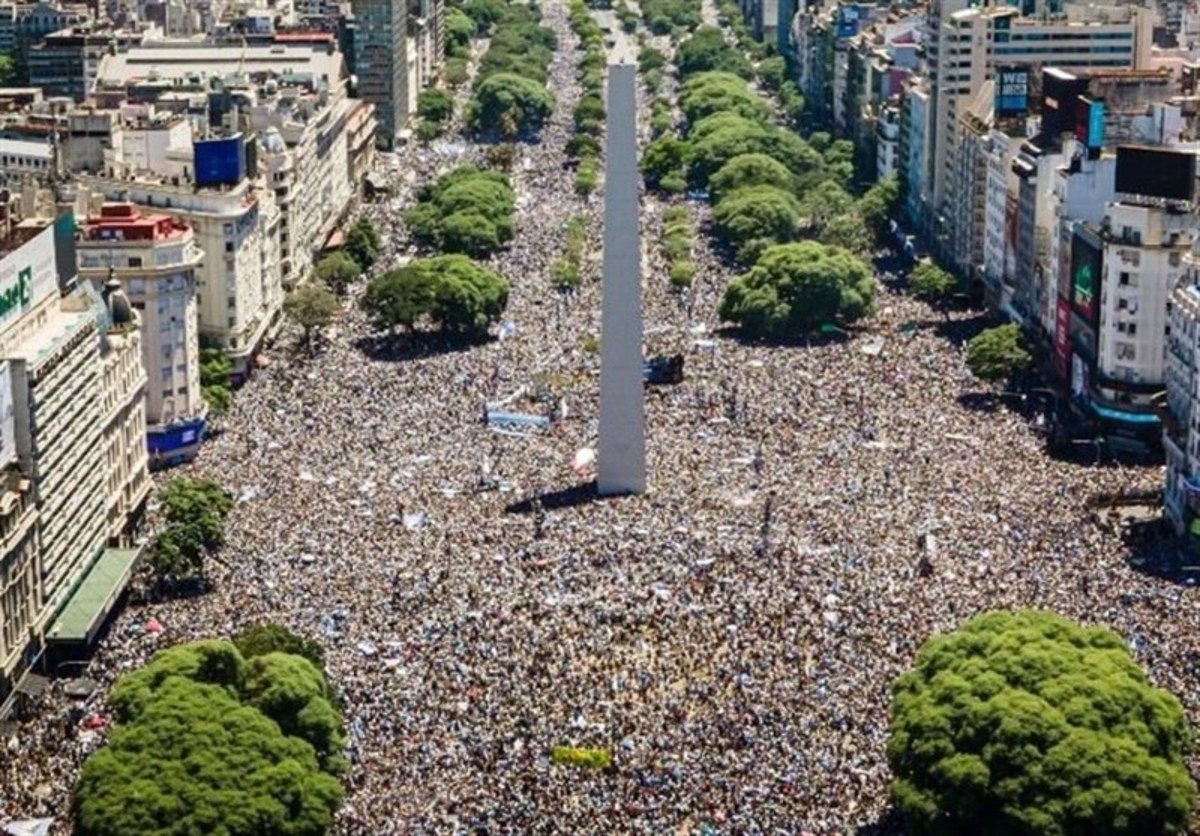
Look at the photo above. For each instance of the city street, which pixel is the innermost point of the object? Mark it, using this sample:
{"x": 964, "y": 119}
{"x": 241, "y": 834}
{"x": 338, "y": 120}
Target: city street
{"x": 731, "y": 635}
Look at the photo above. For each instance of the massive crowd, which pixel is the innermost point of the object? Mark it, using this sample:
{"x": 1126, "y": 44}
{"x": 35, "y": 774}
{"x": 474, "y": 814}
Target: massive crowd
{"x": 731, "y": 635}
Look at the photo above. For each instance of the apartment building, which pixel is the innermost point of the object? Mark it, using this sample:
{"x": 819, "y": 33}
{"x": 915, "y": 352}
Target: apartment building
{"x": 1180, "y": 408}
{"x": 154, "y": 257}
{"x": 66, "y": 62}
{"x": 968, "y": 46}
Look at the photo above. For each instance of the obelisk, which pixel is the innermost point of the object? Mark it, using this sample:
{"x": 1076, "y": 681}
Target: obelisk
{"x": 621, "y": 468}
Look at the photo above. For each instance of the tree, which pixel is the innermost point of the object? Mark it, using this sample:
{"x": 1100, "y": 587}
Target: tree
{"x": 848, "y": 232}
{"x": 794, "y": 289}
{"x": 589, "y": 110}
{"x": 997, "y": 353}
{"x": 435, "y": 106}
{"x": 772, "y": 72}
{"x": 932, "y": 284}
{"x": 312, "y": 308}
{"x": 337, "y": 271}
{"x": 706, "y": 50}
{"x": 748, "y": 170}
{"x": 663, "y": 157}
{"x": 717, "y": 139}
{"x": 649, "y": 59}
{"x": 460, "y": 28}
{"x": 207, "y": 743}
{"x": 194, "y": 512}
{"x": 261, "y": 639}
{"x": 452, "y": 291}
{"x": 464, "y": 211}
{"x": 1024, "y": 722}
{"x": 706, "y": 94}
{"x": 525, "y": 102}
{"x": 878, "y": 206}
{"x": 362, "y": 242}
{"x": 762, "y": 215}
{"x": 822, "y": 204}
{"x": 215, "y": 369}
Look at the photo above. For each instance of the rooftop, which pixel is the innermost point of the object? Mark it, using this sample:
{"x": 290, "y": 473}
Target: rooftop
{"x": 125, "y": 222}
{"x": 190, "y": 62}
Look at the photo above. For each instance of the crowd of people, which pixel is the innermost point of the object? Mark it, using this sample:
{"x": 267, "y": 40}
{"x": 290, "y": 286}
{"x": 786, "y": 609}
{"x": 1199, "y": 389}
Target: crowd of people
{"x": 814, "y": 514}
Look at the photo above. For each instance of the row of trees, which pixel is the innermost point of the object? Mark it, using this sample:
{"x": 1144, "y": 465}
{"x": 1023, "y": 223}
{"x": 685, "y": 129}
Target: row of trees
{"x": 464, "y": 211}
{"x": 313, "y": 305}
{"x": 584, "y": 146}
{"x": 242, "y": 738}
{"x": 510, "y": 99}
{"x": 769, "y": 189}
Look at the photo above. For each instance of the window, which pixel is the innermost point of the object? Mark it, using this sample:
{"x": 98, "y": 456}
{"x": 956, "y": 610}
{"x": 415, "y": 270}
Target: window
{"x": 1124, "y": 281}
{"x": 135, "y": 261}
{"x": 231, "y": 302}
{"x": 228, "y": 246}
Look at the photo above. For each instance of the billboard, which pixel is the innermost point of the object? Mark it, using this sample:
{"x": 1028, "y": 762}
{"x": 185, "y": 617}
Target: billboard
{"x": 1156, "y": 172}
{"x": 847, "y": 21}
{"x": 219, "y": 162}
{"x": 1062, "y": 338}
{"x": 1089, "y": 123}
{"x": 28, "y": 275}
{"x": 1012, "y": 91}
{"x": 8, "y": 415}
{"x": 1086, "y": 263}
{"x": 1060, "y": 90}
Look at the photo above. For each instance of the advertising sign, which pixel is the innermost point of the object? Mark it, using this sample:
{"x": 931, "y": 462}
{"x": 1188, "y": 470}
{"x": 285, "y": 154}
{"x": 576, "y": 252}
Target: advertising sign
{"x": 847, "y": 21}
{"x": 1156, "y": 172}
{"x": 1095, "y": 133}
{"x": 1086, "y": 263}
{"x": 28, "y": 275}
{"x": 1062, "y": 338}
{"x": 8, "y": 417}
{"x": 1012, "y": 91}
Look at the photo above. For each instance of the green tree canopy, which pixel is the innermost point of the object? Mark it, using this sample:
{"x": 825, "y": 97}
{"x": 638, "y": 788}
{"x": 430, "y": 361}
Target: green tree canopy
{"x": 311, "y": 307}
{"x": 292, "y": 691}
{"x": 649, "y": 59}
{"x": 717, "y": 139}
{"x": 464, "y": 211}
{"x": 194, "y": 512}
{"x": 215, "y": 369}
{"x": 823, "y": 203}
{"x": 707, "y": 50}
{"x": 878, "y": 206}
{"x": 1024, "y": 722}
{"x": 362, "y": 242}
{"x": 451, "y": 291}
{"x": 794, "y": 289}
{"x": 337, "y": 271}
{"x": 772, "y": 72}
{"x": 511, "y": 104}
{"x": 754, "y": 218}
{"x": 997, "y": 353}
{"x": 194, "y": 753}
{"x": 663, "y": 157}
{"x": 705, "y": 94}
{"x": 460, "y": 28}
{"x": 931, "y": 283}
{"x": 664, "y": 16}
{"x": 261, "y": 639}
{"x": 435, "y": 105}
{"x": 746, "y": 170}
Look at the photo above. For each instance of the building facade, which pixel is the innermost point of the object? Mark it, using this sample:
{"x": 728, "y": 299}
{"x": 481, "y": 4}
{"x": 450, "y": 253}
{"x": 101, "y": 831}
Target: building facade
{"x": 155, "y": 258}
{"x": 381, "y": 62}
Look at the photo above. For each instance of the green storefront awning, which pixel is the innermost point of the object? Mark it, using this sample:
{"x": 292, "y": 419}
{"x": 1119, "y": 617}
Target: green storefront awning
{"x": 94, "y": 597}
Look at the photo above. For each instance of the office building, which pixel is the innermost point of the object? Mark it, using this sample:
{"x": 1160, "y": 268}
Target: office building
{"x": 72, "y": 444}
{"x": 381, "y": 62}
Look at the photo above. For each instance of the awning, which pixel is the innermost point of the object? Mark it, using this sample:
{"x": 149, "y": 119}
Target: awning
{"x": 32, "y": 685}
{"x": 93, "y": 599}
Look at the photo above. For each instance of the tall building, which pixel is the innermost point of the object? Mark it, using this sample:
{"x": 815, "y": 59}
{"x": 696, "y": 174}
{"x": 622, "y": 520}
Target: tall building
{"x": 967, "y": 46}
{"x": 155, "y": 257}
{"x": 381, "y": 62}
{"x": 73, "y": 478}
